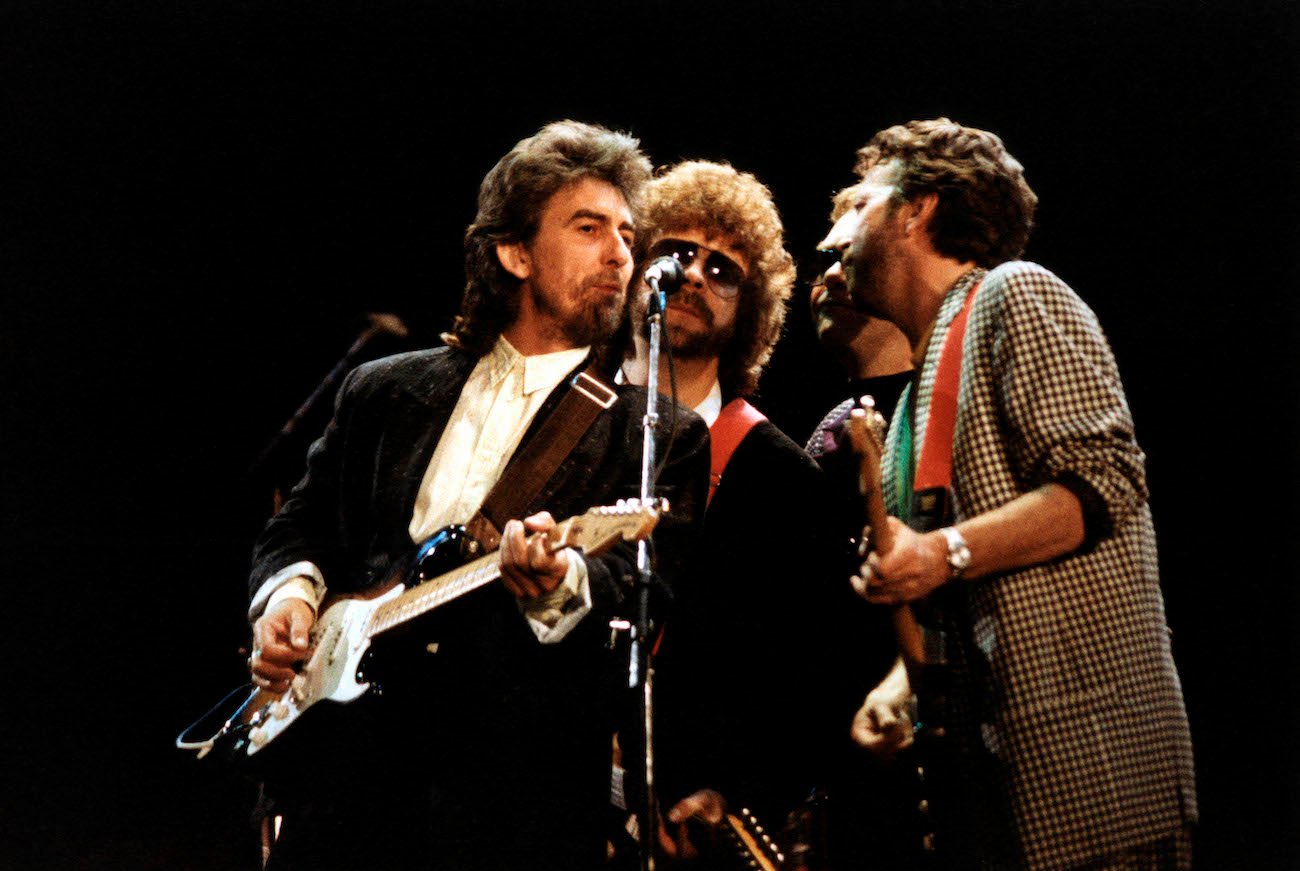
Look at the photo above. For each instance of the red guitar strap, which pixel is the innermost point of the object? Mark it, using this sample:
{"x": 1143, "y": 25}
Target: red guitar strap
{"x": 734, "y": 422}
{"x": 934, "y": 469}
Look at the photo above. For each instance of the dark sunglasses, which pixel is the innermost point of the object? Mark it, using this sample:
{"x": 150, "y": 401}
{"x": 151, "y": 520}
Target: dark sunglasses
{"x": 722, "y": 274}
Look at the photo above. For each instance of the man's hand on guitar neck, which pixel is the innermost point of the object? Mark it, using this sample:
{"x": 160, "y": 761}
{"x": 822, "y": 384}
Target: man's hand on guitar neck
{"x": 914, "y": 565}
{"x": 529, "y": 569}
{"x": 1033, "y": 528}
{"x": 281, "y": 642}
{"x": 883, "y": 724}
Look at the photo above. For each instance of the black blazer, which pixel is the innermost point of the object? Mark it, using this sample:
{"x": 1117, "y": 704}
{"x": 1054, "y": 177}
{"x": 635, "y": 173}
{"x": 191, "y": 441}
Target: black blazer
{"x": 752, "y": 696}
{"x": 504, "y": 730}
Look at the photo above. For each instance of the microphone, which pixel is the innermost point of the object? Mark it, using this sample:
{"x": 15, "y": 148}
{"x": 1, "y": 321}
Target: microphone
{"x": 383, "y": 322}
{"x": 665, "y": 275}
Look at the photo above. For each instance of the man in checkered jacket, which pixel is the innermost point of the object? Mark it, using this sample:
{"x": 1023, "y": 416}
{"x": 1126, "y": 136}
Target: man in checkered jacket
{"x": 1063, "y": 734}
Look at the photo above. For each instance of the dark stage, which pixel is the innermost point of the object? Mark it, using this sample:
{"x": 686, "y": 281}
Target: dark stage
{"x": 202, "y": 201}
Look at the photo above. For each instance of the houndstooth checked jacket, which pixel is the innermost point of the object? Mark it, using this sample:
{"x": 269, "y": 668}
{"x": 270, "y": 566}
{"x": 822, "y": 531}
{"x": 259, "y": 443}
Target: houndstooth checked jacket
{"x": 1085, "y": 712}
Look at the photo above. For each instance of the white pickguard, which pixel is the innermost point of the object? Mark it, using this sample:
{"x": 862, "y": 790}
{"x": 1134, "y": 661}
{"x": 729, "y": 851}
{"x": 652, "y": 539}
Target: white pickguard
{"x": 340, "y": 637}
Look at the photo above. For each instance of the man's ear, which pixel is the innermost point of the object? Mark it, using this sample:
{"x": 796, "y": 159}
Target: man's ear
{"x": 918, "y": 212}
{"x": 514, "y": 259}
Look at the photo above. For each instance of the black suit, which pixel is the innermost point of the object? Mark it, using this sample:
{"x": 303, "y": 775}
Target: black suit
{"x": 748, "y": 700}
{"x": 495, "y": 752}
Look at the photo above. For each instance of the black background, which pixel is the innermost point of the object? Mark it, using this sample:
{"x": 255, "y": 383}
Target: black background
{"x": 203, "y": 199}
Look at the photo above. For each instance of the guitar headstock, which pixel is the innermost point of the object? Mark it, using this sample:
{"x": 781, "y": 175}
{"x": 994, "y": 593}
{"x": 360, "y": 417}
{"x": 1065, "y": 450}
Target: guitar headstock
{"x": 753, "y": 845}
{"x": 866, "y": 431}
{"x": 602, "y": 527}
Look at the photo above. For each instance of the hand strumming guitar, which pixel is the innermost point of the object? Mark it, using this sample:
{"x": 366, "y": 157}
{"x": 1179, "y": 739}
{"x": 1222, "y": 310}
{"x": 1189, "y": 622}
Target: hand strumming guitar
{"x": 281, "y": 642}
{"x": 883, "y": 724}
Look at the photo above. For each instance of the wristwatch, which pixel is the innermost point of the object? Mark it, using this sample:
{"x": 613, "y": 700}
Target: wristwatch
{"x": 958, "y": 553}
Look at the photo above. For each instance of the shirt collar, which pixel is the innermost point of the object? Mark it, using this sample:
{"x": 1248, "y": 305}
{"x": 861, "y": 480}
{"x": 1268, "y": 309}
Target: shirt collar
{"x": 711, "y": 407}
{"x": 540, "y": 371}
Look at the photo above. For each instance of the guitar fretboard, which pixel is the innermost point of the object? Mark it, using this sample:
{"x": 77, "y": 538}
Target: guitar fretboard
{"x": 421, "y": 600}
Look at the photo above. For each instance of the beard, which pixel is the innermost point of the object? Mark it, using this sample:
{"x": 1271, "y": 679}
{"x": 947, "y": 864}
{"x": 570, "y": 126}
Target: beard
{"x": 591, "y": 316}
{"x": 865, "y": 276}
{"x": 691, "y": 342}
{"x": 870, "y": 269}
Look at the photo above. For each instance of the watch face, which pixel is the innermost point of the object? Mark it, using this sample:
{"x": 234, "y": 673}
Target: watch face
{"x": 958, "y": 550}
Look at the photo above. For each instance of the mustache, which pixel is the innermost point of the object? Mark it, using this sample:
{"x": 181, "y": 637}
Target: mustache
{"x": 609, "y": 278}
{"x": 692, "y": 299}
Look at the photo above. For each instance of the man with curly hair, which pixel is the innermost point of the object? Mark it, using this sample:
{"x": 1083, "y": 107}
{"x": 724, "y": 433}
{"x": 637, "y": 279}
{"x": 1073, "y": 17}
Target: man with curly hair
{"x": 745, "y": 631}
{"x": 489, "y": 747}
{"x": 1051, "y": 717}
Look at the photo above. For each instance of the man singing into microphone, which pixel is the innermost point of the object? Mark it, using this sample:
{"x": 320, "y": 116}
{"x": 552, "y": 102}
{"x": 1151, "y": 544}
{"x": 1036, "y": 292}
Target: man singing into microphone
{"x": 490, "y": 747}
{"x": 1052, "y": 722}
{"x": 738, "y": 704}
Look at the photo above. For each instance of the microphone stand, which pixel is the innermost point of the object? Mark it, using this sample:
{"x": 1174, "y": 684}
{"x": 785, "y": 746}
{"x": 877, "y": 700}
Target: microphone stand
{"x": 640, "y": 666}
{"x": 380, "y": 324}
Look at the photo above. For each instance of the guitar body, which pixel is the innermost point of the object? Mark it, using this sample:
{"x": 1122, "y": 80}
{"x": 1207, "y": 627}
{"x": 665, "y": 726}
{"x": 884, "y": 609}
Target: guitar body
{"x": 342, "y": 668}
{"x": 361, "y": 642}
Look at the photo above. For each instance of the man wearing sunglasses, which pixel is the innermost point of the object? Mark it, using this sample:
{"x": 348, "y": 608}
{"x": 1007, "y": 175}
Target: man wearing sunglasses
{"x": 738, "y": 704}
{"x": 1022, "y": 535}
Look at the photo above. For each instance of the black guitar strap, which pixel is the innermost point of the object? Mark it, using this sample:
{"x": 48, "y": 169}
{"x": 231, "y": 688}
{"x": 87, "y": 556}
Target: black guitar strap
{"x": 534, "y": 464}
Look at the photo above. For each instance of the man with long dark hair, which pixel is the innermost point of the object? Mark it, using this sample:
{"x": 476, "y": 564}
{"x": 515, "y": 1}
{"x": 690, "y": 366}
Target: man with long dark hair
{"x": 490, "y": 746}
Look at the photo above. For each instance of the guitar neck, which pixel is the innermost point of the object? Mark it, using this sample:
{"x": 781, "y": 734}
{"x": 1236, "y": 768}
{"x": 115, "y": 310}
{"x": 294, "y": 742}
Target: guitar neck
{"x": 866, "y": 429}
{"x": 591, "y": 533}
{"x": 882, "y": 537}
{"x": 434, "y": 593}
{"x": 908, "y": 632}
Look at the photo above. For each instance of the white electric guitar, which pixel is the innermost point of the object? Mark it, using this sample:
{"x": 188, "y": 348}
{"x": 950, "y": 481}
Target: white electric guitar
{"x": 342, "y": 635}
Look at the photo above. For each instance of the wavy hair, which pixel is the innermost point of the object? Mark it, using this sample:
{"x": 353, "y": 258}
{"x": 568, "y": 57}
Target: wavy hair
{"x": 986, "y": 208}
{"x": 722, "y": 202}
{"x": 510, "y": 203}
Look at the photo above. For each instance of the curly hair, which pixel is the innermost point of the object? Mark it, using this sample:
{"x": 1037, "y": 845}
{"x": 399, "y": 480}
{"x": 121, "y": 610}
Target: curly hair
{"x": 736, "y": 206}
{"x": 510, "y": 203}
{"x": 986, "y": 208}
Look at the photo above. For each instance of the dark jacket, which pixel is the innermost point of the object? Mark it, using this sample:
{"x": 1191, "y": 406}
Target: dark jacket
{"x": 496, "y": 750}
